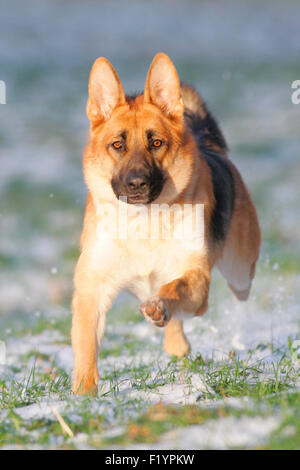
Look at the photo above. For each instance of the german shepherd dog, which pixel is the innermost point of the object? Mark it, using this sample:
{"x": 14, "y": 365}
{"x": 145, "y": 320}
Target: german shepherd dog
{"x": 159, "y": 147}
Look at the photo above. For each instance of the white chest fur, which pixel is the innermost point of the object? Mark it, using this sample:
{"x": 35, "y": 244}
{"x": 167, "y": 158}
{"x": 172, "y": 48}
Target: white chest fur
{"x": 141, "y": 253}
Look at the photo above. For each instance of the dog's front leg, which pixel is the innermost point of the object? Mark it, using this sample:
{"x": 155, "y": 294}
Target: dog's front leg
{"x": 85, "y": 342}
{"x": 89, "y": 312}
{"x": 188, "y": 293}
{"x": 92, "y": 298}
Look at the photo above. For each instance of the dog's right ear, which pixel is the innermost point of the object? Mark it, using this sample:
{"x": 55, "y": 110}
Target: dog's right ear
{"x": 162, "y": 87}
{"x": 105, "y": 91}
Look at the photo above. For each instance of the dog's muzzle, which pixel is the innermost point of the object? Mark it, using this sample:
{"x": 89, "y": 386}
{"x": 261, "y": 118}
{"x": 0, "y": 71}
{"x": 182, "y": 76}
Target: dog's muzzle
{"x": 139, "y": 186}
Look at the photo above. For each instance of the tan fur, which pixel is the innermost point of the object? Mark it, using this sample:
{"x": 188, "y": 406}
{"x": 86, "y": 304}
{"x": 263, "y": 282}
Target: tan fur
{"x": 239, "y": 255}
{"x": 175, "y": 343}
{"x": 169, "y": 276}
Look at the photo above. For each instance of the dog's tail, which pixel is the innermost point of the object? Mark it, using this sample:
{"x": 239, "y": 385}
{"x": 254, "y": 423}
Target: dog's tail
{"x": 201, "y": 122}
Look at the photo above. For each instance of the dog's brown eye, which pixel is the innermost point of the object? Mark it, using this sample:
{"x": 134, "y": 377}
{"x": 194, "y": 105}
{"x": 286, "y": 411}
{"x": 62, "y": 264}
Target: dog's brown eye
{"x": 157, "y": 143}
{"x": 118, "y": 145}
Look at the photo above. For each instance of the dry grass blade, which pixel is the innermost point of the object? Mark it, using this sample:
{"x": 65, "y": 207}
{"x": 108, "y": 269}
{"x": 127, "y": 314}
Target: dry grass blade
{"x": 62, "y": 422}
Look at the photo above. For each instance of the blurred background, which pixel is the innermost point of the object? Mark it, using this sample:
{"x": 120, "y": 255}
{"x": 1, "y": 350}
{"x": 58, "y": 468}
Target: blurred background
{"x": 241, "y": 56}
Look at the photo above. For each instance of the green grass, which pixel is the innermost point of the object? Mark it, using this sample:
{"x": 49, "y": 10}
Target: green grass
{"x": 32, "y": 388}
{"x": 33, "y": 324}
{"x": 268, "y": 386}
{"x": 287, "y": 436}
{"x": 161, "y": 418}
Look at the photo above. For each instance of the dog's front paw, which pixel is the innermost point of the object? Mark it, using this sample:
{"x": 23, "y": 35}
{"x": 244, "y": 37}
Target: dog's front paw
{"x": 155, "y": 311}
{"x": 85, "y": 384}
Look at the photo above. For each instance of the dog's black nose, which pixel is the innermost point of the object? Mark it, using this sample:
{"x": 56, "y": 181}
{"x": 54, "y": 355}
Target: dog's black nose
{"x": 137, "y": 182}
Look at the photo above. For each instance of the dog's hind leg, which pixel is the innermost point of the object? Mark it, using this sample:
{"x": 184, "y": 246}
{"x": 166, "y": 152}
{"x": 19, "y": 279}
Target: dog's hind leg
{"x": 241, "y": 249}
{"x": 175, "y": 343}
{"x": 238, "y": 273}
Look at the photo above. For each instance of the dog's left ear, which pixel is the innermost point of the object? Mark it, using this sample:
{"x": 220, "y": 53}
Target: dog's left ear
{"x": 105, "y": 91}
{"x": 162, "y": 87}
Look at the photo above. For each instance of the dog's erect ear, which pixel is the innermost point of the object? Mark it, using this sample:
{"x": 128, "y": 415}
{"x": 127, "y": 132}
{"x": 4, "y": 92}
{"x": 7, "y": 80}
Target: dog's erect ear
{"x": 162, "y": 86}
{"x": 105, "y": 91}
